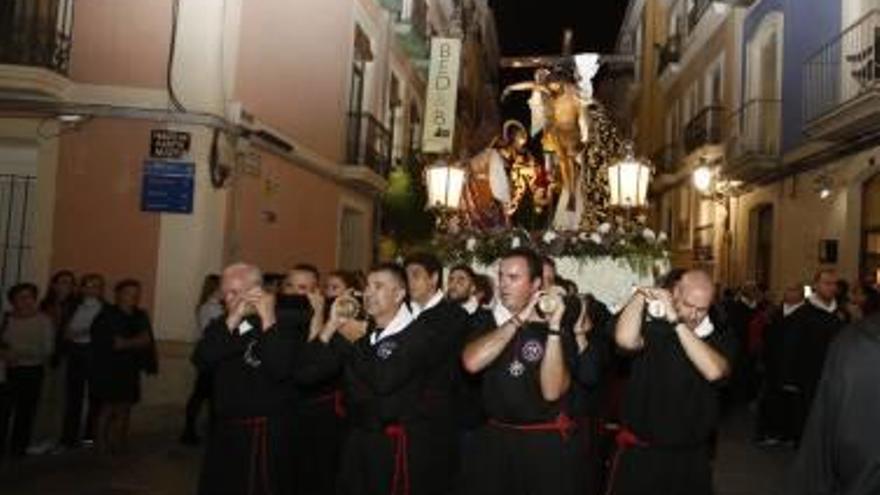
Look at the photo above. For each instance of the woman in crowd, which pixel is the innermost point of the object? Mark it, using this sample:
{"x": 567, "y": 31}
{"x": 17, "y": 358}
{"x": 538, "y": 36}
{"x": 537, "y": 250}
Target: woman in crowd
{"x": 29, "y": 341}
{"x": 60, "y": 302}
{"x": 122, "y": 347}
{"x": 210, "y": 307}
{"x": 76, "y": 341}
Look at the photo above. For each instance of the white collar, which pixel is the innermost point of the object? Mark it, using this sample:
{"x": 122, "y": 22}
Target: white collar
{"x": 397, "y": 324}
{"x": 820, "y": 304}
{"x": 788, "y": 309}
{"x": 748, "y": 302}
{"x": 471, "y": 305}
{"x": 501, "y": 314}
{"x": 705, "y": 328}
{"x": 435, "y": 300}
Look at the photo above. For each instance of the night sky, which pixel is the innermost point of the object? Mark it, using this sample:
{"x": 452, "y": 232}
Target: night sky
{"x": 535, "y": 27}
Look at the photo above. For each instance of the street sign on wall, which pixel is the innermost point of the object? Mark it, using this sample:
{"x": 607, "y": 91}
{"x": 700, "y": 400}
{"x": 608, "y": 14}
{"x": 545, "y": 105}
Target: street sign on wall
{"x": 442, "y": 93}
{"x": 169, "y": 144}
{"x": 167, "y": 186}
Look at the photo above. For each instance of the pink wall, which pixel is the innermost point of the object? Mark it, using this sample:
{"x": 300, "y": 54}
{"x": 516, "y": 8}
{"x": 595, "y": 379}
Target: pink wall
{"x": 293, "y": 68}
{"x": 306, "y": 209}
{"x": 98, "y": 223}
{"x": 121, "y": 42}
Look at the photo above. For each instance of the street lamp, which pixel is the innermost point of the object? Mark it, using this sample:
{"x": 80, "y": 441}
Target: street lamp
{"x": 628, "y": 180}
{"x": 444, "y": 182}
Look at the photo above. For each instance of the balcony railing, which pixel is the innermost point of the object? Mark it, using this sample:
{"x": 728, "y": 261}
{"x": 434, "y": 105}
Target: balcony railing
{"x": 844, "y": 69}
{"x": 666, "y": 159}
{"x": 696, "y": 13}
{"x": 707, "y": 127}
{"x": 412, "y": 28}
{"x": 757, "y": 129}
{"x": 36, "y": 33}
{"x": 369, "y": 143}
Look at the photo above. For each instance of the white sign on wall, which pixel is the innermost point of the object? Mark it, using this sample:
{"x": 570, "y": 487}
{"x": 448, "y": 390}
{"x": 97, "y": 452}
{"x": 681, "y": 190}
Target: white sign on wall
{"x": 442, "y": 94}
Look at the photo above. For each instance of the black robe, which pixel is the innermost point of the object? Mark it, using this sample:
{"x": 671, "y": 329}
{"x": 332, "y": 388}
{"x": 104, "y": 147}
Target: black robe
{"x": 248, "y": 451}
{"x": 400, "y": 415}
{"x": 529, "y": 445}
{"x": 671, "y": 410}
{"x": 840, "y": 451}
{"x": 812, "y": 330}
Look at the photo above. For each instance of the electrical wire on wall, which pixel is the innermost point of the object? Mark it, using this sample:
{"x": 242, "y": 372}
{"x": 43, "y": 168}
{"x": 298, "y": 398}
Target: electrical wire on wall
{"x": 172, "y": 48}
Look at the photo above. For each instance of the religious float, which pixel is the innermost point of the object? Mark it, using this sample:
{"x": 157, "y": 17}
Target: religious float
{"x": 568, "y": 187}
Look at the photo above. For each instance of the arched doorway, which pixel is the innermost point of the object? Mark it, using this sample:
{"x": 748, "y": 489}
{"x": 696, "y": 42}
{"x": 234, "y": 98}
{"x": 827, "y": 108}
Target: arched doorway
{"x": 870, "y": 255}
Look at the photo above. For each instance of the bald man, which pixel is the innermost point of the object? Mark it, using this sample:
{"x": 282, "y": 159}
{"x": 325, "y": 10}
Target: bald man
{"x": 250, "y": 355}
{"x": 671, "y": 405}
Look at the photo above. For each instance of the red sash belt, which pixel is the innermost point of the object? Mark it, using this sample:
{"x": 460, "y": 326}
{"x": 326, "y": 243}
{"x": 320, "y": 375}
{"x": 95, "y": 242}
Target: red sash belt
{"x": 625, "y": 439}
{"x": 397, "y": 434}
{"x": 259, "y": 452}
{"x": 338, "y": 400}
{"x": 562, "y": 424}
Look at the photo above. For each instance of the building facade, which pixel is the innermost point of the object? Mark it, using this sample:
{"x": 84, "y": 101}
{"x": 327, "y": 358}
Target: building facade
{"x": 295, "y": 112}
{"x": 772, "y": 98}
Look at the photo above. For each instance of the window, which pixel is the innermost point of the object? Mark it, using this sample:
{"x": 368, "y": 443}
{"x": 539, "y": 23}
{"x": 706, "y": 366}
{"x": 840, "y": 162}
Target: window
{"x": 353, "y": 239}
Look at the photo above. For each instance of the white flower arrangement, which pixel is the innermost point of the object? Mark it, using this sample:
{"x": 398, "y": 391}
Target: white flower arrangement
{"x": 596, "y": 238}
{"x": 515, "y": 243}
{"x": 471, "y": 244}
{"x": 649, "y": 235}
{"x": 549, "y": 237}
{"x": 604, "y": 228}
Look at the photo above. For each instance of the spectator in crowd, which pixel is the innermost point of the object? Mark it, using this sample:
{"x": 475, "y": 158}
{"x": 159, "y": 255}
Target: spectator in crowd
{"x": 59, "y": 304}
{"x": 865, "y": 301}
{"x": 484, "y": 290}
{"x": 77, "y": 349}
{"x": 29, "y": 341}
{"x": 122, "y": 348}
{"x": 210, "y": 308}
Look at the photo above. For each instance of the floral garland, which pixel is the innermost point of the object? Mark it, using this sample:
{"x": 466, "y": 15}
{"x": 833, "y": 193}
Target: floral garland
{"x": 636, "y": 245}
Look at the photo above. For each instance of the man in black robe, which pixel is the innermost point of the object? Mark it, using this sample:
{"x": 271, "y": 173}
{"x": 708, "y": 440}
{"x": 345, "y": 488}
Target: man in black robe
{"x": 318, "y": 416}
{"x": 250, "y": 354}
{"x": 529, "y": 444}
{"x": 438, "y": 399}
{"x": 776, "y": 404}
{"x": 670, "y": 405}
{"x": 814, "y": 326}
{"x": 461, "y": 289}
{"x": 840, "y": 451}
{"x": 392, "y": 444}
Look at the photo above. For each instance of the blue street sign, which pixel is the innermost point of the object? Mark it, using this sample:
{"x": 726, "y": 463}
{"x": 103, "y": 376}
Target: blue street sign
{"x": 167, "y": 186}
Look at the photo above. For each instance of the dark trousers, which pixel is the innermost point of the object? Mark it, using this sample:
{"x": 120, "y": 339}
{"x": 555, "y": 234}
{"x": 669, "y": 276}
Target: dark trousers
{"x": 76, "y": 383}
{"x": 508, "y": 462}
{"x": 778, "y": 411}
{"x": 670, "y": 471}
{"x": 5, "y": 408}
{"x": 24, "y": 384}
{"x": 201, "y": 393}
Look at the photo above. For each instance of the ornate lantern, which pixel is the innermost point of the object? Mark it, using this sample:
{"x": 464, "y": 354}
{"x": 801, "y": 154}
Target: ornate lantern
{"x": 445, "y": 183}
{"x": 628, "y": 180}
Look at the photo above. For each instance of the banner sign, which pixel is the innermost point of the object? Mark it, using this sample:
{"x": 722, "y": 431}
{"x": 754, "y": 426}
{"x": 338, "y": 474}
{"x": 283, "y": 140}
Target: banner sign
{"x": 167, "y": 187}
{"x": 442, "y": 93}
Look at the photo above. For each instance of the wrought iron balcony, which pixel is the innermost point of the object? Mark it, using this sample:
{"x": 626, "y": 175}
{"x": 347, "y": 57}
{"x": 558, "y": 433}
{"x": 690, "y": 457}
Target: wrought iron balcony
{"x": 369, "y": 143}
{"x": 696, "y": 13}
{"x": 706, "y": 128}
{"x": 755, "y": 138}
{"x": 842, "y": 82}
{"x": 412, "y": 28}
{"x": 36, "y": 33}
{"x": 666, "y": 159}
